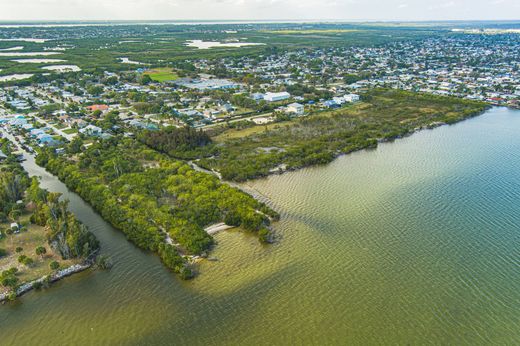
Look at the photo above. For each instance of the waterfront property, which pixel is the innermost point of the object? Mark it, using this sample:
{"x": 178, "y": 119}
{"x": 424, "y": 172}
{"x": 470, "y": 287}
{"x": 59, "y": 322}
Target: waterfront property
{"x": 347, "y": 228}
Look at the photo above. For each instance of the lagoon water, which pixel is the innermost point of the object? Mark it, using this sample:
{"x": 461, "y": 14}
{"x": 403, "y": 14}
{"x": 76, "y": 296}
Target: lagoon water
{"x": 215, "y": 44}
{"x": 415, "y": 242}
{"x": 16, "y": 54}
{"x": 62, "y": 68}
{"x": 17, "y": 76}
{"x": 37, "y": 61}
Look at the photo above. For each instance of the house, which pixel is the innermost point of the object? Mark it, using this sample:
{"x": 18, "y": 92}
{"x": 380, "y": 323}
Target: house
{"x": 142, "y": 125}
{"x": 260, "y": 96}
{"x": 351, "y": 98}
{"x": 78, "y": 122}
{"x": 15, "y": 227}
{"x": 339, "y": 100}
{"x": 274, "y": 97}
{"x": 18, "y": 122}
{"x": 227, "y": 108}
{"x": 91, "y": 130}
{"x": 189, "y": 112}
{"x": 97, "y": 108}
{"x": 210, "y": 113}
{"x": 330, "y": 104}
{"x": 295, "y": 108}
{"x": 27, "y": 127}
{"x": 36, "y": 132}
{"x": 45, "y": 139}
{"x": 20, "y": 104}
{"x": 263, "y": 120}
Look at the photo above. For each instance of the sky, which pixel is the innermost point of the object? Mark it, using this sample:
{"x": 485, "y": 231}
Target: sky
{"x": 348, "y": 10}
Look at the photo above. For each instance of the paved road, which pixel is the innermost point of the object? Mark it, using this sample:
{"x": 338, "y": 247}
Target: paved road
{"x": 67, "y": 136}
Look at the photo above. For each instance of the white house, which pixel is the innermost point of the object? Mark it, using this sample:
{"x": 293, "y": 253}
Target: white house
{"x": 339, "y": 100}
{"x": 351, "y": 98}
{"x": 91, "y": 130}
{"x": 257, "y": 96}
{"x": 295, "y": 108}
{"x": 273, "y": 97}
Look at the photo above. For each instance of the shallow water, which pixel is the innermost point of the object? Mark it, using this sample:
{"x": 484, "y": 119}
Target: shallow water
{"x": 128, "y": 61}
{"x": 62, "y": 68}
{"x": 34, "y": 40}
{"x": 15, "y": 54}
{"x": 11, "y": 49}
{"x": 17, "y": 76}
{"x": 214, "y": 44}
{"x": 416, "y": 242}
{"x": 37, "y": 61}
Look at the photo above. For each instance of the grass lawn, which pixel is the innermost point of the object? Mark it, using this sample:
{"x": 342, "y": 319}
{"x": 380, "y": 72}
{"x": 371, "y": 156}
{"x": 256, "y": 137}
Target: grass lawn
{"x": 28, "y": 240}
{"x": 241, "y": 133}
{"x": 70, "y": 131}
{"x": 162, "y": 74}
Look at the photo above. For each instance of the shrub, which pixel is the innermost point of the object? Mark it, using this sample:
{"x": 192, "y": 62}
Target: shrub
{"x": 264, "y": 235}
{"x": 103, "y": 262}
{"x": 54, "y": 265}
{"x": 27, "y": 261}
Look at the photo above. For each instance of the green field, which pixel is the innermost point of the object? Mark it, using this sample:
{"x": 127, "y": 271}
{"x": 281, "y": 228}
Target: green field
{"x": 70, "y": 131}
{"x": 162, "y": 74}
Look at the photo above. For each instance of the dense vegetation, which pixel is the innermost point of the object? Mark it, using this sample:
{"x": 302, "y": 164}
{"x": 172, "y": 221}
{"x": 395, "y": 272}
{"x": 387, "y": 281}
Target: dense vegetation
{"x": 13, "y": 183}
{"x": 151, "y": 197}
{"x": 99, "y": 48}
{"x": 317, "y": 139}
{"x": 178, "y": 142}
{"x": 65, "y": 234}
{"x": 21, "y": 197}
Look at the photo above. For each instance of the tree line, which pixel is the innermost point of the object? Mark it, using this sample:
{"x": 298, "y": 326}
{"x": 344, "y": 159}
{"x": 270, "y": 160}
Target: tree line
{"x": 150, "y": 197}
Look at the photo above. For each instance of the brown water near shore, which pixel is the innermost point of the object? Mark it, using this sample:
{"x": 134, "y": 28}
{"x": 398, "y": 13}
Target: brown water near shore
{"x": 415, "y": 242}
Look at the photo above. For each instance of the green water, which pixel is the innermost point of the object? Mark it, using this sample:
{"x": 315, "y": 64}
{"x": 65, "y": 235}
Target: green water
{"x": 416, "y": 242}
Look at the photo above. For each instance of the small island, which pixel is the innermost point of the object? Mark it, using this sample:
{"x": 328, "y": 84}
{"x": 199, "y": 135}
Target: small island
{"x": 40, "y": 240}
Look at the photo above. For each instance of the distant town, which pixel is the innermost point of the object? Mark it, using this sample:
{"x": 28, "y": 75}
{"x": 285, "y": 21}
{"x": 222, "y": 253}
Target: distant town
{"x": 260, "y": 88}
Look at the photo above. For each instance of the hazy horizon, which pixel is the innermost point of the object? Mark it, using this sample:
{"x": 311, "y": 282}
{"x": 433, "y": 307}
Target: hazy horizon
{"x": 259, "y": 10}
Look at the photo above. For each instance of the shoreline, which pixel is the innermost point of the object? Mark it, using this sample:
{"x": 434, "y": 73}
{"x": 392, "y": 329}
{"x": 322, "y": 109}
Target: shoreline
{"x": 243, "y": 185}
{"x": 51, "y": 278}
{"x": 26, "y": 287}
